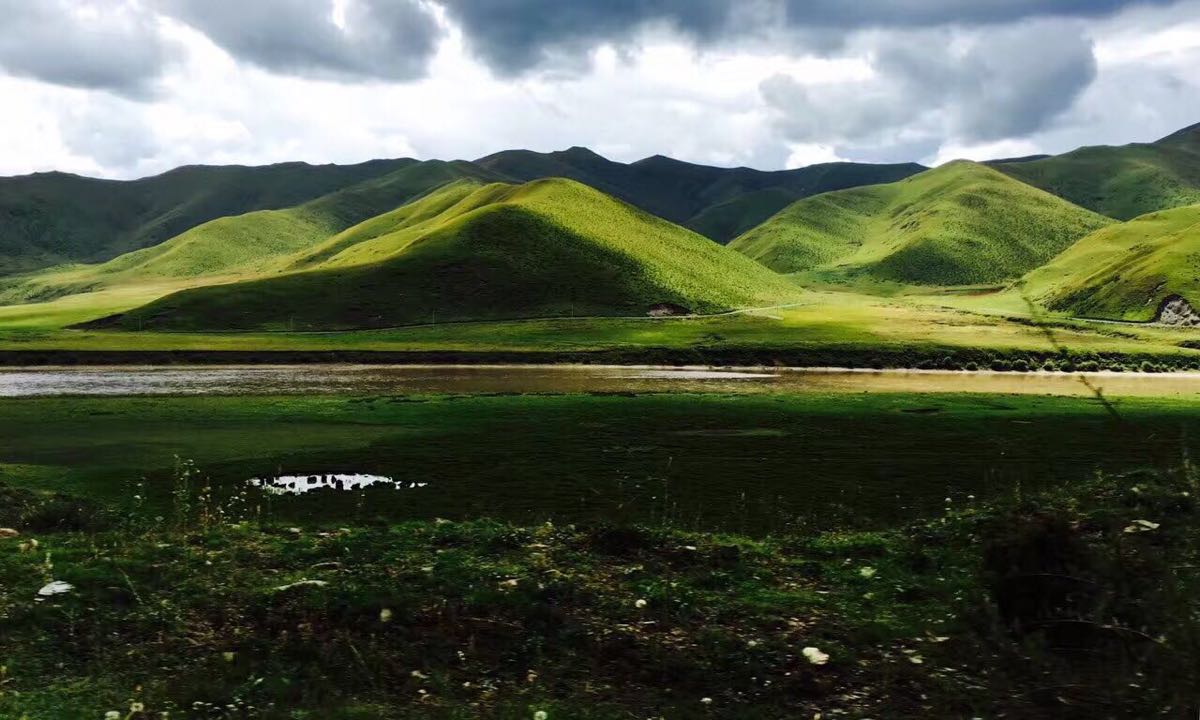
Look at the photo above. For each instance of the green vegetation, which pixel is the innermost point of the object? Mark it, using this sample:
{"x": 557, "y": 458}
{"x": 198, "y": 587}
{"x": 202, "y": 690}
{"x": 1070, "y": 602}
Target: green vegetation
{"x": 53, "y": 218}
{"x": 960, "y": 224}
{"x": 433, "y": 249}
{"x": 551, "y": 247}
{"x": 868, "y": 459}
{"x": 1127, "y": 271}
{"x": 1121, "y": 182}
{"x": 1068, "y": 604}
{"x": 720, "y": 203}
{"x": 238, "y": 247}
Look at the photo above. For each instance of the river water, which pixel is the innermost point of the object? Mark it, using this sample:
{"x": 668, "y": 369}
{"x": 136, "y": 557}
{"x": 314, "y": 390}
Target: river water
{"x": 442, "y": 379}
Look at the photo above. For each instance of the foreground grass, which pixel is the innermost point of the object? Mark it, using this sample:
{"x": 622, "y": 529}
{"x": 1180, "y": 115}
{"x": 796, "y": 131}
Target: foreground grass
{"x": 1074, "y": 604}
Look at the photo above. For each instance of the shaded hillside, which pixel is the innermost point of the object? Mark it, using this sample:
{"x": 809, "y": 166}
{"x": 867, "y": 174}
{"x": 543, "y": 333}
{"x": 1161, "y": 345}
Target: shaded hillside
{"x": 547, "y": 248}
{"x": 243, "y": 245}
{"x": 719, "y": 203}
{"x": 52, "y": 218}
{"x": 1121, "y": 182}
{"x": 959, "y": 224}
{"x": 1126, "y": 271}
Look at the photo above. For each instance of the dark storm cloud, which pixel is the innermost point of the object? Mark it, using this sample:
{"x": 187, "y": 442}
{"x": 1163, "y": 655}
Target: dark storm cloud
{"x": 111, "y": 46}
{"x": 933, "y": 85}
{"x": 383, "y": 39}
{"x": 514, "y": 36}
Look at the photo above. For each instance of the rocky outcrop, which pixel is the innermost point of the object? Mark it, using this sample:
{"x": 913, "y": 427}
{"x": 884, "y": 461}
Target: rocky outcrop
{"x": 1177, "y": 311}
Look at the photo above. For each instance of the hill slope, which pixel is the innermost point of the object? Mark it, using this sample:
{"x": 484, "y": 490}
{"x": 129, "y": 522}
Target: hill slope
{"x": 243, "y": 245}
{"x": 1121, "y": 182}
{"x": 53, "y": 218}
{"x": 959, "y": 224}
{"x": 720, "y": 203}
{"x": 1126, "y": 271}
{"x": 547, "y": 248}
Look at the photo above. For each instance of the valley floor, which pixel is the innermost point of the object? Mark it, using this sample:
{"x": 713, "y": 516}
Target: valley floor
{"x": 826, "y": 328}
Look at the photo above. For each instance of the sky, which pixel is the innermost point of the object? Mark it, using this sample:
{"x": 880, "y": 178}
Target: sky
{"x": 129, "y": 88}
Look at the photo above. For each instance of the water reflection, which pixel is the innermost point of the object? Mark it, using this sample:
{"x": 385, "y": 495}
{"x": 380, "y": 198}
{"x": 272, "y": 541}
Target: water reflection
{"x": 301, "y": 484}
{"x": 428, "y": 379}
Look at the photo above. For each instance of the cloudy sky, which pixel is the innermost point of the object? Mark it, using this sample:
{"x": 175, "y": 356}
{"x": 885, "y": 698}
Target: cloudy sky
{"x": 127, "y": 88}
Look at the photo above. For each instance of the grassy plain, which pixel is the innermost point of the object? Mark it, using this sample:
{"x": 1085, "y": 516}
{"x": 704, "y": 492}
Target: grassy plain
{"x": 743, "y": 462}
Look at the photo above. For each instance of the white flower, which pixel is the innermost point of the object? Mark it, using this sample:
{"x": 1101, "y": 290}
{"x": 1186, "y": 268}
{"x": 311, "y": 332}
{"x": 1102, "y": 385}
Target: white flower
{"x": 136, "y": 707}
{"x": 112, "y": 715}
{"x": 867, "y": 572}
{"x": 815, "y": 656}
{"x": 640, "y": 604}
{"x": 1142, "y": 526}
{"x": 58, "y": 587}
{"x": 541, "y": 715}
{"x": 385, "y": 615}
{"x": 706, "y": 701}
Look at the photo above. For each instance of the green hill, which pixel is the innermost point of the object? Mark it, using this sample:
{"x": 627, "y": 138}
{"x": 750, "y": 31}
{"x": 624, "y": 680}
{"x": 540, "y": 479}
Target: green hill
{"x": 1121, "y": 182}
{"x": 1126, "y": 271}
{"x": 959, "y": 224}
{"x": 719, "y": 203}
{"x": 53, "y": 218}
{"x": 547, "y": 248}
{"x": 241, "y": 246}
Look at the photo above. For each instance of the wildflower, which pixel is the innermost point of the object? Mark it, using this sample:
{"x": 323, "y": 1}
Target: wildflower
{"x": 136, "y": 707}
{"x": 867, "y": 572}
{"x": 112, "y": 715}
{"x": 706, "y": 701}
{"x": 57, "y": 587}
{"x": 385, "y": 615}
{"x": 541, "y": 715}
{"x": 1142, "y": 526}
{"x": 815, "y": 656}
{"x": 641, "y": 604}
{"x": 419, "y": 675}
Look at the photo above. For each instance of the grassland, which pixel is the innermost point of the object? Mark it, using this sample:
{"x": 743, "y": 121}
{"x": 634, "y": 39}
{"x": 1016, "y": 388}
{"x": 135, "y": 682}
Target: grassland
{"x": 719, "y": 203}
{"x": 548, "y": 248}
{"x": 238, "y": 247}
{"x": 54, "y": 218}
{"x": 867, "y": 459}
{"x": 1126, "y": 271}
{"x": 1030, "y": 604}
{"x": 825, "y": 329}
{"x": 1121, "y": 182}
{"x": 960, "y": 224}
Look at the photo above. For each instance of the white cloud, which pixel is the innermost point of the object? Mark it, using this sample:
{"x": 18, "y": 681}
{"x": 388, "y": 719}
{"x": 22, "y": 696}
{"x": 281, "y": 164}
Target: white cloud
{"x": 998, "y": 89}
{"x": 804, "y": 154}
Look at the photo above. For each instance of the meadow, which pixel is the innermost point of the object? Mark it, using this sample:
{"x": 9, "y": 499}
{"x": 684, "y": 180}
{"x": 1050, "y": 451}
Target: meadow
{"x": 694, "y": 556}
